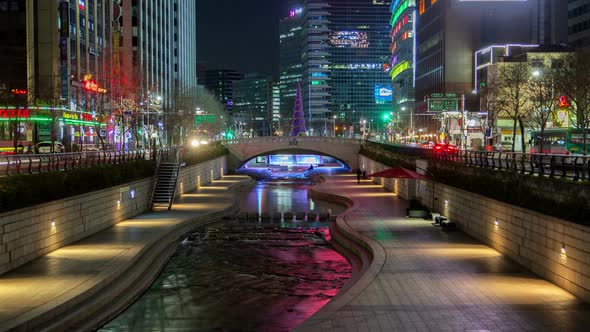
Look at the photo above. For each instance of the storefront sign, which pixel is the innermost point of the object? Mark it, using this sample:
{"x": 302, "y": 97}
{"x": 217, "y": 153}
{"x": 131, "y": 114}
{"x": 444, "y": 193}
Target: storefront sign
{"x": 70, "y": 116}
{"x": 14, "y": 113}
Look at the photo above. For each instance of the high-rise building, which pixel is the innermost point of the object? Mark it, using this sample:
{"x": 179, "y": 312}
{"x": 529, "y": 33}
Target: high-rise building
{"x": 185, "y": 49}
{"x": 315, "y": 86}
{"x": 290, "y": 59}
{"x": 402, "y": 67}
{"x": 448, "y": 34}
{"x": 57, "y": 54}
{"x": 579, "y": 23}
{"x": 346, "y": 45}
{"x": 253, "y": 105}
{"x": 157, "y": 50}
{"x": 220, "y": 82}
{"x": 276, "y": 110}
{"x": 359, "y": 45}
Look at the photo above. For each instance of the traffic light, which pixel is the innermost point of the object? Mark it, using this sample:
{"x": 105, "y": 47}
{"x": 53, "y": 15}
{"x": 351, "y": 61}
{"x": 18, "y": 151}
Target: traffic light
{"x": 386, "y": 117}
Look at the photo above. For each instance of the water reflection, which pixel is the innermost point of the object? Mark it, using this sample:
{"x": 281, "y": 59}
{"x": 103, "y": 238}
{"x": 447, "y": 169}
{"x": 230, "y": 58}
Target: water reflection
{"x": 279, "y": 196}
{"x": 254, "y": 280}
{"x": 245, "y": 280}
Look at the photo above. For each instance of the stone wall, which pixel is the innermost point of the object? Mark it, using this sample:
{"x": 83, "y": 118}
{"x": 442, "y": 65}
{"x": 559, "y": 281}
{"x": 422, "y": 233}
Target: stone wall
{"x": 555, "y": 249}
{"x": 28, "y": 233}
{"x": 194, "y": 176}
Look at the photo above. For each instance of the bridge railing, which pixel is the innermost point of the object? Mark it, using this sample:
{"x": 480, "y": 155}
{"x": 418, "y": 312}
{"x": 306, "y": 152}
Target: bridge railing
{"x": 60, "y": 162}
{"x": 574, "y": 167}
{"x": 294, "y": 140}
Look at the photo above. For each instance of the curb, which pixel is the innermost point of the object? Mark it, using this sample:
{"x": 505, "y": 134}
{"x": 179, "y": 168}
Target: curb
{"x": 115, "y": 288}
{"x": 355, "y": 246}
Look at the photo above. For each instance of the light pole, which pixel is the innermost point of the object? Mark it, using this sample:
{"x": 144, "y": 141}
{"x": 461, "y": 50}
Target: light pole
{"x": 334, "y": 126}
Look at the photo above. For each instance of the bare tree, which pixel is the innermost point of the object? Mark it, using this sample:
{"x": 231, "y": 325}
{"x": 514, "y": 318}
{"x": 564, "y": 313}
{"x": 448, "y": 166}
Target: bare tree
{"x": 512, "y": 83}
{"x": 493, "y": 105}
{"x": 543, "y": 96}
{"x": 573, "y": 80}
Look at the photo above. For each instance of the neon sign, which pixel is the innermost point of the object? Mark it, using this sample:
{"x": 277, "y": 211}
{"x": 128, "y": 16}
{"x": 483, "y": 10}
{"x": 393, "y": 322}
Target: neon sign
{"x": 89, "y": 84}
{"x": 563, "y": 102}
{"x": 296, "y": 11}
{"x": 19, "y": 92}
{"x": 14, "y": 113}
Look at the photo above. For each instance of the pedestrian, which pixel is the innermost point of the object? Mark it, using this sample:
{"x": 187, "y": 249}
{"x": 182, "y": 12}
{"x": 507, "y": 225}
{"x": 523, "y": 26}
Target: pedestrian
{"x": 29, "y": 148}
{"x": 358, "y": 175}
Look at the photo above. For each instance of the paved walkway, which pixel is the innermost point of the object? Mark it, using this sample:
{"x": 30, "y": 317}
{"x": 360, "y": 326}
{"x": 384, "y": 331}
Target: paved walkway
{"x": 440, "y": 281}
{"x": 36, "y": 288}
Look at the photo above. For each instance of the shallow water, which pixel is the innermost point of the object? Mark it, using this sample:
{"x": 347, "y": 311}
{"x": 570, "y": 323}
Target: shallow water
{"x": 244, "y": 280}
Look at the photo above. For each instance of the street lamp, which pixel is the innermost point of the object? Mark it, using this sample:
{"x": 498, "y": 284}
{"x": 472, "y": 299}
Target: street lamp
{"x": 334, "y": 126}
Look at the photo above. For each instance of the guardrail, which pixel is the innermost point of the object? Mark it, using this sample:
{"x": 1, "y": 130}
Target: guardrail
{"x": 60, "y": 162}
{"x": 575, "y": 167}
{"x": 294, "y": 140}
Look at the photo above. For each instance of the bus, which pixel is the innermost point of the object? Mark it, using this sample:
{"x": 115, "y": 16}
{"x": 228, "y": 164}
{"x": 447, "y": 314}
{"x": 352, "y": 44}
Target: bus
{"x": 560, "y": 141}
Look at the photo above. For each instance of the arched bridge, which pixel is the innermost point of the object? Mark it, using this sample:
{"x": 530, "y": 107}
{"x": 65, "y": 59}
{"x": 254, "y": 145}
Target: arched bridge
{"x": 343, "y": 149}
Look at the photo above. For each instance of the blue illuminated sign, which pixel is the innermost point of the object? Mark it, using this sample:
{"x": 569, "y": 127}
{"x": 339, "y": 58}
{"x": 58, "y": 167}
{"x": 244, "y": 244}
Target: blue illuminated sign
{"x": 383, "y": 94}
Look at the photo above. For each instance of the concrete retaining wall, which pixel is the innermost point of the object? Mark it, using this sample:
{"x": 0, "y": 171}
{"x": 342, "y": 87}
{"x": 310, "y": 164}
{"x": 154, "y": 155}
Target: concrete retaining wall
{"x": 194, "y": 176}
{"x": 28, "y": 233}
{"x": 532, "y": 239}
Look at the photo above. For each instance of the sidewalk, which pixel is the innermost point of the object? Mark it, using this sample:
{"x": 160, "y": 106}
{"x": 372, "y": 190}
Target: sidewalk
{"x": 439, "y": 281}
{"x": 57, "y": 285}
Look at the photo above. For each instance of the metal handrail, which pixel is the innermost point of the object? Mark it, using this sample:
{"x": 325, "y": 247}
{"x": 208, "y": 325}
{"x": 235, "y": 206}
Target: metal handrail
{"x": 576, "y": 167}
{"x": 55, "y": 162}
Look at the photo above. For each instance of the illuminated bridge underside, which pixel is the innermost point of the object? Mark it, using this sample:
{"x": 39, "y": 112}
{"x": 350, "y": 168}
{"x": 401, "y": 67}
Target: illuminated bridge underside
{"x": 343, "y": 149}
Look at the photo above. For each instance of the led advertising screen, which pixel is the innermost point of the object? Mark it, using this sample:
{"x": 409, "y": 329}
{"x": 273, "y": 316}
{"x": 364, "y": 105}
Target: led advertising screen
{"x": 307, "y": 160}
{"x": 383, "y": 94}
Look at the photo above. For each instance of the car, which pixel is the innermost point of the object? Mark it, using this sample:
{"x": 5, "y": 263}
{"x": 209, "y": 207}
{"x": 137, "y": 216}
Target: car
{"x": 45, "y": 147}
{"x": 427, "y": 145}
{"x": 90, "y": 148}
{"x": 445, "y": 148}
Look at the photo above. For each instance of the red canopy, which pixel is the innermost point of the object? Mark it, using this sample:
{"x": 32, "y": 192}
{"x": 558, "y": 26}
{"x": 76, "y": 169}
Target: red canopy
{"x": 398, "y": 173}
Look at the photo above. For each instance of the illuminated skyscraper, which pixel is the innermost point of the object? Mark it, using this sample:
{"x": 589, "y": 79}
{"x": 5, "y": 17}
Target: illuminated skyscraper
{"x": 291, "y": 64}
{"x": 158, "y": 50}
{"x": 315, "y": 87}
{"x": 359, "y": 52}
{"x": 47, "y": 48}
{"x": 253, "y": 104}
{"x": 402, "y": 67}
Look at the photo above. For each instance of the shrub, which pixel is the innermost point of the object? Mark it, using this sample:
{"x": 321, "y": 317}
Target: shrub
{"x": 25, "y": 190}
{"x": 561, "y": 198}
{"x": 195, "y": 155}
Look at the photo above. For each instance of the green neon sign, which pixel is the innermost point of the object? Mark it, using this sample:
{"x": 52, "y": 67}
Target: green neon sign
{"x": 398, "y": 12}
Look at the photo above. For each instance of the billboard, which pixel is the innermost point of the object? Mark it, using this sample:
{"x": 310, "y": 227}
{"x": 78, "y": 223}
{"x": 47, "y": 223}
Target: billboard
{"x": 383, "y": 94}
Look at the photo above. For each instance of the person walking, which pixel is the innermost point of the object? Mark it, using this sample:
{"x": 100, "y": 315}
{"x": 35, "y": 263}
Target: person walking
{"x": 358, "y": 175}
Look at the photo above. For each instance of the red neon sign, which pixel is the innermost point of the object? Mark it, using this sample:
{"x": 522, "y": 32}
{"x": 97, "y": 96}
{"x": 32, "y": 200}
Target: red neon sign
{"x": 563, "y": 102}
{"x": 14, "y": 113}
{"x": 19, "y": 92}
{"x": 90, "y": 85}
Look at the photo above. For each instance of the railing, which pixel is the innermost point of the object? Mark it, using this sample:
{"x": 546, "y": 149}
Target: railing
{"x": 56, "y": 162}
{"x": 294, "y": 140}
{"x": 574, "y": 167}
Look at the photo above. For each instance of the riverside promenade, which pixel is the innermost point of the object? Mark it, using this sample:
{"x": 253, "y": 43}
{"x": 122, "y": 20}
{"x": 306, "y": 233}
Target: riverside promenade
{"x": 108, "y": 269}
{"x": 424, "y": 279}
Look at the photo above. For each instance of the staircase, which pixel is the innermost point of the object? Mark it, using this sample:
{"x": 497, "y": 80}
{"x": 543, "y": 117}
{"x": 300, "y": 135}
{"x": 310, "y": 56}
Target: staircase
{"x": 164, "y": 184}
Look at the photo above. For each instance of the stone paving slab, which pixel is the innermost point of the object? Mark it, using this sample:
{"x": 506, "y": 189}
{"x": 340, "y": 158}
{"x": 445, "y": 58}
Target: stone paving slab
{"x": 35, "y": 288}
{"x": 440, "y": 281}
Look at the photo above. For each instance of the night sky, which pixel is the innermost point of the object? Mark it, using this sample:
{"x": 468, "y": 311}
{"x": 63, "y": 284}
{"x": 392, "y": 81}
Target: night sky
{"x": 239, "y": 34}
